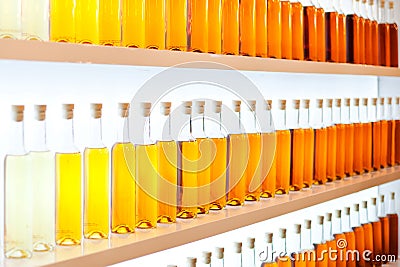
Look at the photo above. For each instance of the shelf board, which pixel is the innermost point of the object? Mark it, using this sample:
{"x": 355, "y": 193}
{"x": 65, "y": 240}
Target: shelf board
{"x": 122, "y": 248}
{"x": 77, "y": 53}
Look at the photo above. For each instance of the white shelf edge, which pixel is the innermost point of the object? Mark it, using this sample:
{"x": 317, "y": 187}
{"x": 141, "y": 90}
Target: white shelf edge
{"x": 77, "y": 53}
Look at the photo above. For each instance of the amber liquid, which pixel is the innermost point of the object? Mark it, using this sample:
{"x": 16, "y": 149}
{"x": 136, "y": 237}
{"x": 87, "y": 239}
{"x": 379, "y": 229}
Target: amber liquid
{"x": 361, "y": 41}
{"x": 331, "y": 156}
{"x": 284, "y": 261}
{"x": 375, "y": 37}
{"x": 320, "y": 255}
{"x": 274, "y": 32}
{"x": 342, "y": 37}
{"x": 377, "y": 240}
{"x": 394, "y": 45}
{"x": 356, "y": 39}
{"x": 340, "y": 151}
{"x": 286, "y": 19}
{"x": 299, "y": 259}
{"x": 283, "y": 148}
{"x": 109, "y": 22}
{"x": 394, "y": 234}
{"x": 359, "y": 236}
{"x": 321, "y": 35}
{"x": 297, "y": 159}
{"x": 176, "y": 15}
{"x": 268, "y": 165}
{"x": 384, "y": 143}
{"x": 253, "y": 169}
{"x": 391, "y": 143}
{"x": 308, "y": 177}
{"x": 62, "y": 21}
{"x": 385, "y": 236}
{"x": 387, "y": 45}
{"x": 349, "y": 149}
{"x": 261, "y": 28}
{"x": 358, "y": 166}
{"x": 352, "y": 34}
{"x": 397, "y": 144}
{"x": 297, "y": 31}
{"x": 382, "y": 44}
{"x": 331, "y": 244}
{"x": 368, "y": 43}
{"x": 214, "y": 25}
{"x": 230, "y": 27}
{"x": 133, "y": 23}
{"x": 310, "y": 260}
{"x": 310, "y": 33}
{"x": 218, "y": 175}
{"x": 367, "y": 146}
{"x": 341, "y": 260}
{"x": 155, "y": 24}
{"x": 247, "y": 26}
{"x": 351, "y": 239}
{"x": 206, "y": 150}
{"x": 321, "y": 139}
{"x": 376, "y": 145}
{"x": 198, "y": 29}
{"x": 332, "y": 36}
{"x": 369, "y": 242}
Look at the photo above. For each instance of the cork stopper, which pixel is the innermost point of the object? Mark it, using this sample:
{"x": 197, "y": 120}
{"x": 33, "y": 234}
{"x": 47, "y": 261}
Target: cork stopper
{"x": 320, "y": 220}
{"x": 329, "y": 217}
{"x": 40, "y": 112}
{"x": 371, "y": 2}
{"x": 206, "y": 256}
{"x": 282, "y": 104}
{"x": 307, "y": 224}
{"x": 237, "y": 247}
{"x": 382, "y": 198}
{"x": 397, "y": 99}
{"x": 145, "y": 107}
{"x": 191, "y": 261}
{"x": 219, "y": 252}
{"x": 187, "y": 107}
{"x": 199, "y": 106}
{"x": 356, "y": 102}
{"x": 365, "y": 101}
{"x": 356, "y": 207}
{"x": 296, "y": 103}
{"x": 252, "y": 105}
{"x": 347, "y": 210}
{"x": 268, "y": 104}
{"x": 306, "y": 103}
{"x": 217, "y": 106}
{"x": 297, "y": 228}
{"x": 374, "y": 101}
{"x": 373, "y": 200}
{"x": 165, "y": 108}
{"x": 123, "y": 110}
{"x": 282, "y": 232}
{"x": 251, "y": 242}
{"x": 382, "y": 100}
{"x": 329, "y": 102}
{"x": 17, "y": 113}
{"x": 389, "y": 100}
{"x": 319, "y": 103}
{"x": 338, "y": 102}
{"x": 392, "y": 195}
{"x": 391, "y": 5}
{"x": 95, "y": 110}
{"x": 236, "y": 105}
{"x": 347, "y": 102}
{"x": 364, "y": 1}
{"x": 338, "y": 213}
{"x": 364, "y": 204}
{"x": 382, "y": 3}
{"x": 68, "y": 111}
{"x": 269, "y": 237}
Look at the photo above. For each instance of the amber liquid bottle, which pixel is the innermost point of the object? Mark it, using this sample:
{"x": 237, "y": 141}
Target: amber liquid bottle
{"x": 297, "y": 151}
{"x": 308, "y": 252}
{"x": 384, "y": 219}
{"x": 286, "y": 20}
{"x": 274, "y": 31}
{"x": 350, "y": 237}
{"x": 352, "y": 34}
{"x": 329, "y": 237}
{"x": 349, "y": 139}
{"x": 369, "y": 242}
{"x": 198, "y": 26}
{"x": 339, "y": 235}
{"x": 377, "y": 233}
{"x": 331, "y": 141}
{"x": 371, "y": 35}
{"x": 320, "y": 145}
{"x": 331, "y": 32}
{"x": 393, "y": 38}
{"x": 397, "y": 129}
{"x": 320, "y": 246}
{"x": 155, "y": 24}
{"x": 296, "y": 253}
{"x": 393, "y": 226}
{"x": 391, "y": 132}
{"x": 308, "y": 176}
{"x": 268, "y": 173}
{"x": 310, "y": 31}
{"x": 230, "y": 27}
{"x": 367, "y": 136}
{"x": 261, "y": 28}
{"x": 342, "y": 33}
{"x": 359, "y": 234}
{"x": 297, "y": 30}
{"x": 340, "y": 140}
{"x": 358, "y": 138}
{"x": 321, "y": 33}
{"x": 376, "y": 136}
{"x": 214, "y": 25}
{"x": 247, "y": 28}
{"x": 176, "y": 23}
{"x": 363, "y": 21}
{"x": 384, "y": 132}
{"x": 383, "y": 39}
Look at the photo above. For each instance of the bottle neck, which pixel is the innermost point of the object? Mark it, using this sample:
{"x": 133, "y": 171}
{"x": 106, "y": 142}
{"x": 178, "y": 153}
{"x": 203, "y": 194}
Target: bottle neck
{"x": 16, "y": 140}
{"x": 318, "y": 119}
{"x": 356, "y": 220}
{"x": 381, "y": 210}
{"x": 356, "y": 7}
{"x": 67, "y": 136}
{"x": 328, "y": 116}
{"x": 199, "y": 127}
{"x": 346, "y": 223}
{"x": 166, "y": 130}
{"x": 304, "y": 118}
{"x": 336, "y": 226}
{"x": 307, "y": 241}
{"x": 388, "y": 112}
{"x": 294, "y": 120}
{"x": 345, "y": 114}
{"x": 373, "y": 215}
{"x": 269, "y": 257}
{"x": 395, "y": 112}
{"x": 187, "y": 132}
{"x": 237, "y": 259}
{"x": 363, "y": 9}
{"x": 392, "y": 208}
{"x": 370, "y": 12}
{"x": 319, "y": 234}
{"x": 249, "y": 118}
{"x": 280, "y": 119}
{"x": 123, "y": 130}
{"x": 147, "y": 140}
{"x": 390, "y": 18}
{"x": 282, "y": 249}
{"x": 354, "y": 114}
{"x": 364, "y": 216}
{"x": 39, "y": 136}
{"x": 95, "y": 137}
{"x": 363, "y": 113}
{"x": 336, "y": 116}
{"x": 381, "y": 15}
{"x": 296, "y": 243}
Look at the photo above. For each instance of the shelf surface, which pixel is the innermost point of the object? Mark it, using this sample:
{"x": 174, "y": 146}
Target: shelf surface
{"x": 77, "y": 53}
{"x": 121, "y": 248}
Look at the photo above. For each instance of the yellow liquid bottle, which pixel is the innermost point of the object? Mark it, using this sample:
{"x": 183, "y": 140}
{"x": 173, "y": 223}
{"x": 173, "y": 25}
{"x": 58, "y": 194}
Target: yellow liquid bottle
{"x": 176, "y": 25}
{"x": 96, "y": 182}
{"x": 123, "y": 199}
{"x": 247, "y": 27}
{"x": 274, "y": 31}
{"x": 35, "y": 19}
{"x": 155, "y": 24}
{"x": 261, "y": 28}
{"x": 86, "y": 21}
{"x": 62, "y": 21}
{"x": 132, "y": 23}
{"x": 10, "y": 19}
{"x": 17, "y": 193}
{"x": 68, "y": 186}
{"x": 198, "y": 29}
{"x": 214, "y": 26}
{"x": 297, "y": 151}
{"x": 109, "y": 22}
{"x": 230, "y": 27}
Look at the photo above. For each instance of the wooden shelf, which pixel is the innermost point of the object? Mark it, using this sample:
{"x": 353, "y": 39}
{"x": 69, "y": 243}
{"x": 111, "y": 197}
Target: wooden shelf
{"x": 122, "y": 248}
{"x": 76, "y": 53}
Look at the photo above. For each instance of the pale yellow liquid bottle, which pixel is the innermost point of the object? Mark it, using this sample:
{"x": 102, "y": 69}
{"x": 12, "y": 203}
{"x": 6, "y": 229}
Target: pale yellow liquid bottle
{"x": 123, "y": 199}
{"x": 68, "y": 185}
{"x": 109, "y": 22}
{"x": 96, "y": 199}
{"x": 17, "y": 192}
{"x": 167, "y": 171}
{"x": 155, "y": 24}
{"x": 86, "y": 21}
{"x": 133, "y": 23}
{"x": 62, "y": 21}
{"x": 43, "y": 178}
{"x": 146, "y": 173}
{"x": 35, "y": 19}
{"x": 10, "y": 19}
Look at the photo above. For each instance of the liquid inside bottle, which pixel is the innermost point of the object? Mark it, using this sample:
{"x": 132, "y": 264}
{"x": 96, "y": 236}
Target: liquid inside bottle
{"x": 274, "y": 32}
{"x": 321, "y": 34}
{"x": 132, "y": 31}
{"x": 297, "y": 151}
{"x": 247, "y": 27}
{"x": 62, "y": 21}
{"x": 393, "y": 226}
{"x": 362, "y": 29}
{"x": 367, "y": 136}
{"x": 109, "y": 22}
{"x": 320, "y": 245}
{"x": 391, "y": 133}
{"x": 34, "y": 20}
{"x": 369, "y": 243}
{"x": 320, "y": 144}
{"x": 340, "y": 140}
{"x": 376, "y": 137}
{"x": 230, "y": 27}
{"x": 394, "y": 35}
{"x": 352, "y": 34}
{"x": 287, "y": 33}
{"x": 383, "y": 218}
{"x": 360, "y": 234}
{"x": 297, "y": 30}
{"x": 351, "y": 237}
{"x": 261, "y": 28}
{"x": 308, "y": 144}
{"x": 331, "y": 141}
{"x": 86, "y": 21}
{"x": 214, "y": 25}
{"x": 377, "y": 233}
{"x": 396, "y": 116}
{"x": 310, "y": 32}
{"x": 358, "y": 138}
{"x": 384, "y": 132}
{"x": 383, "y": 39}
{"x": 332, "y": 35}
{"x": 349, "y": 139}
{"x": 176, "y": 23}
{"x": 155, "y": 24}
{"x": 198, "y": 26}
{"x": 342, "y": 36}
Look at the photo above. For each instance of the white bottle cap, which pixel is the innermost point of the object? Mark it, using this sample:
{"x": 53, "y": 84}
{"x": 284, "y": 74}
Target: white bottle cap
{"x": 217, "y": 106}
{"x": 374, "y": 101}
{"x": 319, "y": 103}
{"x": 338, "y": 102}
{"x": 373, "y": 200}
{"x": 236, "y": 105}
{"x": 282, "y": 232}
{"x": 187, "y": 107}
{"x": 329, "y": 102}
{"x": 297, "y": 228}
{"x": 306, "y": 103}
{"x": 252, "y": 105}
{"x": 191, "y": 262}
{"x": 269, "y": 237}
{"x": 347, "y": 210}
{"x": 382, "y": 197}
{"x": 282, "y": 104}
{"x": 268, "y": 104}
{"x": 320, "y": 219}
{"x": 237, "y": 247}
{"x": 219, "y": 252}
{"x": 307, "y": 224}
{"x": 199, "y": 106}
{"x": 17, "y": 112}
{"x": 347, "y": 102}
{"x": 389, "y": 100}
{"x": 123, "y": 110}
{"x": 364, "y": 204}
{"x": 328, "y": 217}
{"x": 250, "y": 242}
{"x": 296, "y": 103}
{"x": 338, "y": 213}
{"x": 382, "y": 100}
{"x": 95, "y": 109}
{"x": 40, "y": 112}
{"x": 356, "y": 207}
{"x": 365, "y": 101}
{"x": 206, "y": 257}
{"x": 68, "y": 111}
{"x": 165, "y": 108}
{"x": 145, "y": 107}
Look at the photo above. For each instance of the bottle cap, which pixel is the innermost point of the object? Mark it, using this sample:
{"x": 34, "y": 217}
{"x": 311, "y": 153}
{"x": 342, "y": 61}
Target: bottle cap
{"x": 373, "y": 200}
{"x": 347, "y": 210}
{"x": 338, "y": 102}
{"x": 329, "y": 217}
{"x": 206, "y": 257}
{"x": 307, "y": 224}
{"x": 391, "y": 5}
{"x": 382, "y": 3}
{"x": 17, "y": 112}
{"x": 252, "y": 105}
{"x": 123, "y": 110}
{"x": 237, "y": 247}
{"x": 382, "y": 100}
{"x": 187, "y": 107}
{"x": 365, "y": 101}
{"x": 320, "y": 219}
{"x": 392, "y": 195}
{"x": 297, "y": 228}
{"x": 364, "y": 204}
{"x": 382, "y": 198}
{"x": 282, "y": 104}
{"x": 364, "y": 1}
{"x": 199, "y": 106}
{"x": 191, "y": 260}
{"x": 356, "y": 207}
{"x": 374, "y": 101}
{"x": 329, "y": 102}
{"x": 269, "y": 237}
{"x": 95, "y": 109}
{"x": 296, "y": 103}
{"x": 68, "y": 111}
{"x": 356, "y": 102}
{"x": 217, "y": 106}
{"x": 389, "y": 100}
{"x": 347, "y": 102}
{"x": 250, "y": 242}
{"x": 282, "y": 232}
{"x": 319, "y": 103}
{"x": 165, "y": 108}
{"x": 236, "y": 105}
{"x": 219, "y": 252}
{"x": 145, "y": 107}
{"x": 371, "y": 2}
{"x": 268, "y": 104}
{"x": 40, "y": 112}
{"x": 338, "y": 213}
{"x": 397, "y": 100}
{"x": 306, "y": 103}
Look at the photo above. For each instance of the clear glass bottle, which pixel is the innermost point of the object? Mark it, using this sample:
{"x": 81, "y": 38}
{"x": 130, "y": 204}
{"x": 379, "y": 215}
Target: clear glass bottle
{"x": 321, "y": 136}
{"x": 283, "y": 260}
{"x": 68, "y": 184}
{"x": 230, "y": 27}
{"x": 218, "y": 261}
{"x": 393, "y": 226}
{"x": 349, "y": 138}
{"x": 188, "y": 156}
{"x": 362, "y": 30}
{"x": 296, "y": 252}
{"x": 332, "y": 31}
{"x": 43, "y": 184}
{"x": 261, "y": 28}
{"x": 62, "y": 21}
{"x": 123, "y": 197}
{"x": 146, "y": 172}
{"x": 320, "y": 245}
{"x": 247, "y": 28}
{"x": 267, "y": 255}
{"x": 307, "y": 247}
{"x": 268, "y": 156}
{"x": 17, "y": 191}
{"x": 35, "y": 19}
{"x": 393, "y": 38}
{"x": 340, "y": 139}
{"x": 198, "y": 26}
{"x": 368, "y": 231}
{"x": 287, "y": 32}
{"x": 331, "y": 140}
{"x": 382, "y": 35}
{"x": 332, "y": 229}
{"x": 297, "y": 30}
{"x": 372, "y": 34}
{"x": 358, "y": 138}
{"x": 274, "y": 31}
{"x": 384, "y": 219}
{"x": 297, "y": 149}
{"x": 249, "y": 254}
{"x": 167, "y": 171}
{"x": 376, "y": 136}
{"x": 304, "y": 115}
{"x": 155, "y": 24}
{"x": 109, "y": 22}
{"x": 214, "y": 26}
{"x": 132, "y": 21}
{"x": 10, "y": 19}
{"x": 237, "y": 260}
{"x": 96, "y": 182}
{"x": 339, "y": 237}
{"x": 367, "y": 135}
{"x": 87, "y": 22}
{"x": 358, "y": 232}
{"x": 205, "y": 259}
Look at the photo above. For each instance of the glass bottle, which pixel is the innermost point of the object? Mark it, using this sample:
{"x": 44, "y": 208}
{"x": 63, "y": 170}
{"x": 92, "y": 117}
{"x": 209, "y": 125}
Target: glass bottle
{"x": 191, "y": 262}
{"x": 109, "y": 22}
{"x": 359, "y": 234}
{"x": 358, "y": 142}
{"x": 340, "y": 139}
{"x": 230, "y": 27}
{"x": 253, "y": 137}
{"x": 332, "y": 141}
{"x": 34, "y": 19}
{"x": 320, "y": 245}
{"x": 321, "y": 32}
{"x": 10, "y": 18}
{"x": 146, "y": 172}
{"x": 370, "y": 45}
{"x": 297, "y": 150}
{"x": 132, "y": 20}
{"x": 353, "y": 240}
{"x": 247, "y": 28}
{"x": 349, "y": 138}
{"x": 261, "y": 28}
{"x": 87, "y": 22}
{"x": 391, "y": 132}
{"x": 297, "y": 30}
{"x": 382, "y": 32}
{"x": 394, "y": 35}
{"x": 62, "y": 21}
{"x": 237, "y": 259}
{"x": 204, "y": 162}
{"x": 331, "y": 230}
{"x": 308, "y": 252}
{"x": 308, "y": 143}
{"x": 176, "y": 24}
{"x": 154, "y": 24}
{"x": 384, "y": 219}
{"x": 267, "y": 255}
{"x": 332, "y": 31}
{"x": 376, "y": 136}
{"x": 218, "y": 261}
{"x": 268, "y": 156}
{"x": 367, "y": 135}
{"x": 206, "y": 259}
{"x": 283, "y": 149}
{"x": 366, "y": 224}
{"x": 283, "y": 260}
{"x": 342, "y": 32}
{"x": 68, "y": 184}
{"x": 96, "y": 194}
{"x": 237, "y": 158}
{"x": 362, "y": 29}
{"x": 249, "y": 254}
{"x": 214, "y": 26}
{"x": 352, "y": 33}
{"x": 17, "y": 192}
{"x": 274, "y": 31}
{"x": 377, "y": 232}
{"x": 393, "y": 226}
{"x": 42, "y": 169}
{"x": 310, "y": 30}
{"x": 396, "y": 117}
{"x": 297, "y": 254}
{"x": 188, "y": 155}
{"x": 198, "y": 26}
{"x": 218, "y": 172}
{"x": 320, "y": 145}
{"x": 384, "y": 131}
{"x": 123, "y": 197}
{"x": 286, "y": 24}
{"x": 167, "y": 172}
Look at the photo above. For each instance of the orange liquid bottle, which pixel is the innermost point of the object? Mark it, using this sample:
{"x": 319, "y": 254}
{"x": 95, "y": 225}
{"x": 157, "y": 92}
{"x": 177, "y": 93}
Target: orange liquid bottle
{"x": 155, "y": 24}
{"x": 320, "y": 247}
{"x": 340, "y": 140}
{"x": 362, "y": 30}
{"x": 320, "y": 146}
{"x": 214, "y": 26}
{"x": 62, "y": 21}
{"x": 352, "y": 35}
{"x": 247, "y": 28}
{"x": 283, "y": 260}
{"x": 383, "y": 40}
{"x": 376, "y": 136}
{"x": 367, "y": 136}
{"x": 310, "y": 32}
{"x": 349, "y": 139}
{"x": 176, "y": 24}
{"x": 397, "y": 130}
{"x": 391, "y": 133}
{"x": 230, "y": 27}
{"x": 198, "y": 26}
{"x": 377, "y": 234}
{"x": 384, "y": 132}
{"x": 297, "y": 30}
{"x": 286, "y": 20}
{"x": 297, "y": 151}
{"x": 359, "y": 234}
{"x": 86, "y": 22}
{"x": 331, "y": 142}
{"x": 268, "y": 173}
{"x": 109, "y": 22}
{"x": 261, "y": 28}
{"x": 371, "y": 33}
{"x": 384, "y": 219}
{"x": 393, "y": 39}
{"x": 350, "y": 237}
{"x": 308, "y": 253}
{"x": 342, "y": 36}
{"x": 321, "y": 34}
{"x": 132, "y": 20}
{"x": 274, "y": 32}
{"x": 297, "y": 255}
{"x": 369, "y": 242}
{"x": 308, "y": 144}
{"x": 393, "y": 226}
{"x": 358, "y": 142}
{"x": 329, "y": 237}
{"x": 332, "y": 32}
{"x": 339, "y": 237}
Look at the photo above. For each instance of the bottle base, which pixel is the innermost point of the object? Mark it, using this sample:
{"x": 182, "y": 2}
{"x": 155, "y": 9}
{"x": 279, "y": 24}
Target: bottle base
{"x": 234, "y": 202}
{"x": 145, "y": 224}
{"x": 184, "y": 214}
{"x": 216, "y": 206}
{"x": 166, "y": 219}
{"x": 295, "y": 188}
{"x": 202, "y": 210}
{"x": 267, "y": 194}
{"x": 68, "y": 241}
{"x": 42, "y": 246}
{"x": 18, "y": 253}
{"x": 252, "y": 197}
{"x": 96, "y": 235}
{"x": 281, "y": 191}
{"x": 122, "y": 229}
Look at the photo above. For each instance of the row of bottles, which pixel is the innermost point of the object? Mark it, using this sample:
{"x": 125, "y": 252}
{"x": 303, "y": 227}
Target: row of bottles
{"x": 351, "y": 31}
{"x": 362, "y": 236}
{"x": 204, "y": 169}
